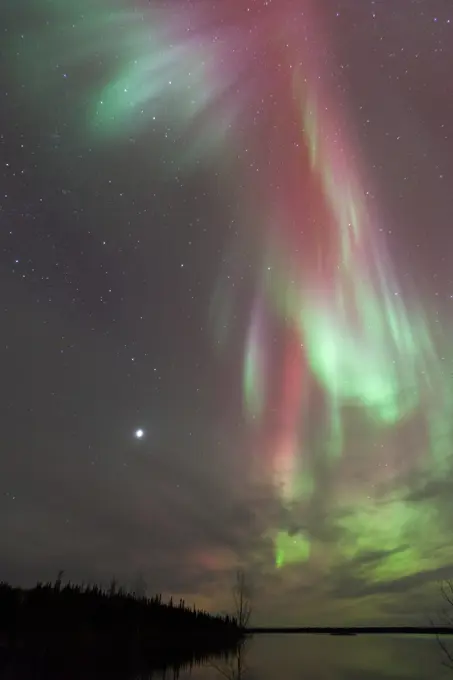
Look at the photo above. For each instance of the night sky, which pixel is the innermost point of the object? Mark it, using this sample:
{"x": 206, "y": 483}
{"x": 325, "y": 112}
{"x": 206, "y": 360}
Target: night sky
{"x": 204, "y": 366}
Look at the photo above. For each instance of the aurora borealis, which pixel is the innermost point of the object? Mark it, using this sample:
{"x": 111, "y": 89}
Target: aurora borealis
{"x": 290, "y": 373}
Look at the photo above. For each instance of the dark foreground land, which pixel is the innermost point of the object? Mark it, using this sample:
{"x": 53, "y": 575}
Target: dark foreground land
{"x": 74, "y": 626}
{"x": 358, "y": 630}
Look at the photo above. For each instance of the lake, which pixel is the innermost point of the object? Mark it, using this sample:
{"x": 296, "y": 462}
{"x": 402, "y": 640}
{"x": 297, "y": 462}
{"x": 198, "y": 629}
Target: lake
{"x": 288, "y": 657}
{"x": 323, "y": 657}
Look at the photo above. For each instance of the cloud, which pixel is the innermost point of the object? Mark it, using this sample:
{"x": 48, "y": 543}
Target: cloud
{"x": 350, "y": 585}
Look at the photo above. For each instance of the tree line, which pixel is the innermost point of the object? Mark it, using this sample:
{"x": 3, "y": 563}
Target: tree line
{"x": 71, "y": 617}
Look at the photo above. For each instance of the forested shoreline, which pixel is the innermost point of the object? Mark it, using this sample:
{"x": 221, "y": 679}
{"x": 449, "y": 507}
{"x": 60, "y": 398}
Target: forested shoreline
{"x": 73, "y": 622}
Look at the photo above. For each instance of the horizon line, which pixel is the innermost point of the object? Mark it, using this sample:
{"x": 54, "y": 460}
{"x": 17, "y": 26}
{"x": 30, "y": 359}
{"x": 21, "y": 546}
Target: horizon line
{"x": 352, "y": 630}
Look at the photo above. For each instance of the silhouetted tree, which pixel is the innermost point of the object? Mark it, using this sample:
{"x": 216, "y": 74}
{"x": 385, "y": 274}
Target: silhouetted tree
{"x": 59, "y": 580}
{"x": 72, "y": 620}
{"x": 242, "y": 600}
{"x": 113, "y": 587}
{"x": 139, "y": 586}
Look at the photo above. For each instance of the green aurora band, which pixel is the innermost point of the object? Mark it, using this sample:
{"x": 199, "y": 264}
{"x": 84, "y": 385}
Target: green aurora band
{"x": 350, "y": 348}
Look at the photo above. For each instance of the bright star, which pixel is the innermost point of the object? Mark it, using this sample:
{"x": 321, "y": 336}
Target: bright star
{"x": 139, "y": 434}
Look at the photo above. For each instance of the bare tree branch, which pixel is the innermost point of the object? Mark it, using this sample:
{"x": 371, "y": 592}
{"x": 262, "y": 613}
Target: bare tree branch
{"x": 449, "y": 657}
{"x": 221, "y": 671}
{"x": 242, "y": 600}
{"x": 446, "y": 589}
{"x": 235, "y": 668}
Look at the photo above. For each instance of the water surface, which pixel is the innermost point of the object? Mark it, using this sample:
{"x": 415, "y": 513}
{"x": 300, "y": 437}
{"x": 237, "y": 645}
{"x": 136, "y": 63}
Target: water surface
{"x": 323, "y": 657}
{"x": 282, "y": 657}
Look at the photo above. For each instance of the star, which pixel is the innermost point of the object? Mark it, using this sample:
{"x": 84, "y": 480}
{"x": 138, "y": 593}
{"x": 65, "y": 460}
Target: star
{"x": 139, "y": 433}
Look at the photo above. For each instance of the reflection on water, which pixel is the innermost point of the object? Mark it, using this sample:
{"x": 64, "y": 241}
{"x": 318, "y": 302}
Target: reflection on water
{"x": 306, "y": 657}
{"x": 286, "y": 657}
{"x": 235, "y": 666}
{"x": 161, "y": 664}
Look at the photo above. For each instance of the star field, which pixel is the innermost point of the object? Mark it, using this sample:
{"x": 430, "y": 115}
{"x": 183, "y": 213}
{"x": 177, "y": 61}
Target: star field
{"x": 140, "y": 435}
